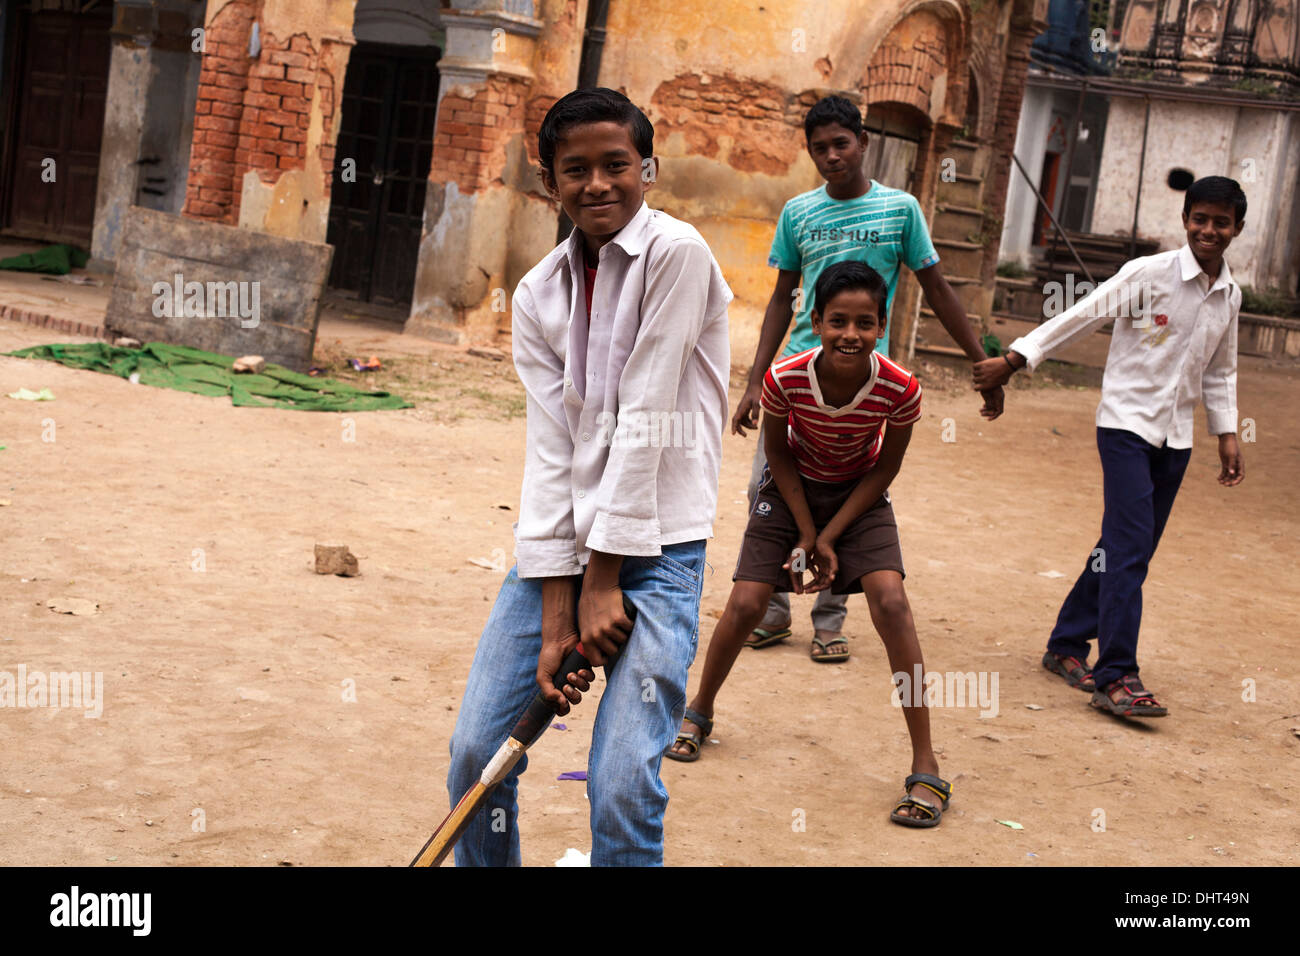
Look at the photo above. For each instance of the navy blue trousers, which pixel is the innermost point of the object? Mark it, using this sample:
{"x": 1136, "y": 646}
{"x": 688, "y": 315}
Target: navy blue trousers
{"x": 1139, "y": 484}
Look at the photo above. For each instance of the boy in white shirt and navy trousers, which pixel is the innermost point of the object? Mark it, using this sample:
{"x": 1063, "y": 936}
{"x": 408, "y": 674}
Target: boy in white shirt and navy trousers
{"x": 1174, "y": 342}
{"x": 620, "y": 341}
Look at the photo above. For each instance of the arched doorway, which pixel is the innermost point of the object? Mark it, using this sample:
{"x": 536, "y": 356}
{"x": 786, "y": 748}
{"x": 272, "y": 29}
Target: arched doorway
{"x": 915, "y": 92}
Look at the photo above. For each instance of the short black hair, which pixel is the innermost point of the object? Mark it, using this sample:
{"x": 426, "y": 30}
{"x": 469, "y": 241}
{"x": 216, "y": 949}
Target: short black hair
{"x": 598, "y": 105}
{"x": 832, "y": 109}
{"x": 843, "y": 276}
{"x": 1216, "y": 189}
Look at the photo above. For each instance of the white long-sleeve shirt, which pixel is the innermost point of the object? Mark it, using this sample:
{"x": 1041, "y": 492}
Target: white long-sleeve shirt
{"x": 1174, "y": 342}
{"x": 625, "y": 419}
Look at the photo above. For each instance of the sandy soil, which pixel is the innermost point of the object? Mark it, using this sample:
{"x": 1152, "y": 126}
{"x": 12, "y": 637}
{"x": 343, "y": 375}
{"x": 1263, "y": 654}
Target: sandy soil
{"x": 227, "y": 736}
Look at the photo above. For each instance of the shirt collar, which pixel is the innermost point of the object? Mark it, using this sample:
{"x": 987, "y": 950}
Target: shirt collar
{"x": 1191, "y": 269}
{"x": 632, "y": 239}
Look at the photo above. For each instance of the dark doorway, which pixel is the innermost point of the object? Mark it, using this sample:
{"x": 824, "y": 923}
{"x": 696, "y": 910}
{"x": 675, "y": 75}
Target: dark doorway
{"x": 1043, "y": 227}
{"x": 390, "y": 100}
{"x": 894, "y": 135}
{"x": 60, "y": 64}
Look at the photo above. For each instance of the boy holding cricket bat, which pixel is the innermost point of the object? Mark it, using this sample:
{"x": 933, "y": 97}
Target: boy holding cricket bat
{"x": 1174, "y": 343}
{"x": 620, "y": 340}
{"x": 837, "y": 420}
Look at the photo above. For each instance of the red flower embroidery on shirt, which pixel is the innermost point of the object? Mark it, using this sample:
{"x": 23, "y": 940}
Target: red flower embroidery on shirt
{"x": 1162, "y": 319}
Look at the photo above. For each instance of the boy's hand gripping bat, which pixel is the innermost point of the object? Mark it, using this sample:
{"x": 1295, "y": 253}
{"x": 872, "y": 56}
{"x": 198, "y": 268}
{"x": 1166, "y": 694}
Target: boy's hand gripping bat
{"x": 529, "y": 727}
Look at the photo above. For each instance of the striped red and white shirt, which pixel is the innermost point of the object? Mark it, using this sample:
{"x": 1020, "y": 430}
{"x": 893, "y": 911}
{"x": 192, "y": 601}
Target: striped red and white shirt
{"x": 839, "y": 444}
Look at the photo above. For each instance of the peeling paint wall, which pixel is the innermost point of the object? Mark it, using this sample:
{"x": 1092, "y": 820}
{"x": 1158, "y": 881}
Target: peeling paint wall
{"x": 1254, "y": 146}
{"x": 264, "y": 135}
{"x": 726, "y": 84}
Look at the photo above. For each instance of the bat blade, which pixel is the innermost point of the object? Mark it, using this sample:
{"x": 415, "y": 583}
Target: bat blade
{"x": 453, "y": 827}
{"x": 530, "y": 726}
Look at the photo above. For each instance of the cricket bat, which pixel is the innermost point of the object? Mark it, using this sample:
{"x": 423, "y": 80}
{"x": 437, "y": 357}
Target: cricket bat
{"x": 527, "y": 729}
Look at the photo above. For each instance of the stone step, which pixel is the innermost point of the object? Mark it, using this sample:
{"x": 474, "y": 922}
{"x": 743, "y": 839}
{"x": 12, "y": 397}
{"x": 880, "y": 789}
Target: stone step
{"x": 959, "y": 257}
{"x": 965, "y": 156}
{"x": 957, "y": 222}
{"x": 970, "y": 292}
{"x": 964, "y": 190}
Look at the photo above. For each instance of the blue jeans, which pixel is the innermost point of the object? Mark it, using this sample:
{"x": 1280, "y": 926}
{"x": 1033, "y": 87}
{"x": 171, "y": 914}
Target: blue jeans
{"x": 829, "y": 610}
{"x": 1139, "y": 483}
{"x": 637, "y": 719}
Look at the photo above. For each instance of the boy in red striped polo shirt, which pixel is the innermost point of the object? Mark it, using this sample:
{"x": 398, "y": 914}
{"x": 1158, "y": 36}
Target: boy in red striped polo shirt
{"x": 838, "y": 419}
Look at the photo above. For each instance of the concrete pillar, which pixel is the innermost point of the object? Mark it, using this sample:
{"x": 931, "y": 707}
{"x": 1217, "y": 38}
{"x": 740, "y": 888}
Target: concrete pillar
{"x": 1028, "y": 19}
{"x": 145, "y": 151}
{"x": 484, "y": 78}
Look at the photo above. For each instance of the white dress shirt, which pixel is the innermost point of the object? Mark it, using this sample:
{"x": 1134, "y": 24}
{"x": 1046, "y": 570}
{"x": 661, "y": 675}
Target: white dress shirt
{"x": 1173, "y": 343}
{"x": 625, "y": 419}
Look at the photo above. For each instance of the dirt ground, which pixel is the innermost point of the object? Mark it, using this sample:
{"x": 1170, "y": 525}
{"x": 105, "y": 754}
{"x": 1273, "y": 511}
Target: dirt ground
{"x": 228, "y": 736}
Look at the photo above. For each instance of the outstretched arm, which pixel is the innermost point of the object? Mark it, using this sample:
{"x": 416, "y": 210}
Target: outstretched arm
{"x": 944, "y": 303}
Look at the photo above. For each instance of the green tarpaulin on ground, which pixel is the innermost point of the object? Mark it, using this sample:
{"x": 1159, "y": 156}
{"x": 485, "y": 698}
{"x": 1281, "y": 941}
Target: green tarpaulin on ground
{"x": 208, "y": 373}
{"x": 55, "y": 260}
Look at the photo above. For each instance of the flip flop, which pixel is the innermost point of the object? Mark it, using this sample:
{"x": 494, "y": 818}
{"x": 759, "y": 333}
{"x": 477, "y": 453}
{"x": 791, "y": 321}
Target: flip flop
{"x": 825, "y": 657}
{"x": 694, "y": 741}
{"x": 939, "y": 787}
{"x": 762, "y": 637}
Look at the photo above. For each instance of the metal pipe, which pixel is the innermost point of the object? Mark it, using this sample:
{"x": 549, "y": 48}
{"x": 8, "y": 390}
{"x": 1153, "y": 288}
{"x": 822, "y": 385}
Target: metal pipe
{"x": 1069, "y": 161}
{"x": 593, "y": 45}
{"x": 1142, "y": 165}
{"x": 1048, "y": 209}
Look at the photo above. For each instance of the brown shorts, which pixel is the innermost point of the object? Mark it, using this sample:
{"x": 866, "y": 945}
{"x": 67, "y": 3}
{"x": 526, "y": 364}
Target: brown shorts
{"x": 869, "y": 544}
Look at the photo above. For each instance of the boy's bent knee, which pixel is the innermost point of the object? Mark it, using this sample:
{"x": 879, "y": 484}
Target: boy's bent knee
{"x": 748, "y": 601}
{"x": 889, "y": 602}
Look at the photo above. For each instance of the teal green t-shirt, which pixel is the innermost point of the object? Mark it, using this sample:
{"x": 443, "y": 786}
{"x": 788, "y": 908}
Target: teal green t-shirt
{"x": 882, "y": 228}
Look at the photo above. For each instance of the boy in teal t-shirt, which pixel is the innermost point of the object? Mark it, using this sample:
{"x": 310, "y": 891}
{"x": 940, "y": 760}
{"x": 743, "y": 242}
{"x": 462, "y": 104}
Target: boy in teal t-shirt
{"x": 850, "y": 217}
{"x": 883, "y": 228}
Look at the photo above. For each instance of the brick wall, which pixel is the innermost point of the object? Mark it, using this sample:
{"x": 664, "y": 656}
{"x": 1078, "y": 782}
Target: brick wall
{"x": 763, "y": 121}
{"x": 253, "y": 113}
{"x": 470, "y": 138}
{"x": 907, "y": 61}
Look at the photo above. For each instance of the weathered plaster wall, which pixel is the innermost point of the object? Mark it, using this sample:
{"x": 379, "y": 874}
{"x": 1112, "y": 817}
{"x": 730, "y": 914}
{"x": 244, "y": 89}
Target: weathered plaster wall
{"x": 265, "y": 131}
{"x": 487, "y": 219}
{"x": 1209, "y": 140}
{"x": 728, "y": 105}
{"x": 148, "y": 117}
{"x": 124, "y": 120}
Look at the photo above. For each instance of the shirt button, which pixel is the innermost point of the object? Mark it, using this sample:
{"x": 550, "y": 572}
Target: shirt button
{"x": 568, "y": 380}
{"x": 586, "y": 436}
{"x": 582, "y": 494}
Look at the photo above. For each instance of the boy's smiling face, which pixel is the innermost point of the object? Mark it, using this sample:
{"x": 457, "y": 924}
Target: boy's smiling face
{"x": 598, "y": 179}
{"x": 837, "y": 152}
{"x": 1211, "y": 227}
{"x": 849, "y": 330}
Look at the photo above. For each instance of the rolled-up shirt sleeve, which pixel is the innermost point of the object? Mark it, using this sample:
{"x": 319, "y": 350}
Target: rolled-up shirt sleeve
{"x": 545, "y": 540}
{"x": 1219, "y": 381}
{"x": 674, "y": 308}
{"x": 1118, "y": 294}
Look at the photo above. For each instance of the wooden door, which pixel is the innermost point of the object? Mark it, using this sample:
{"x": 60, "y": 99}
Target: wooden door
{"x": 390, "y": 99}
{"x": 61, "y": 91}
